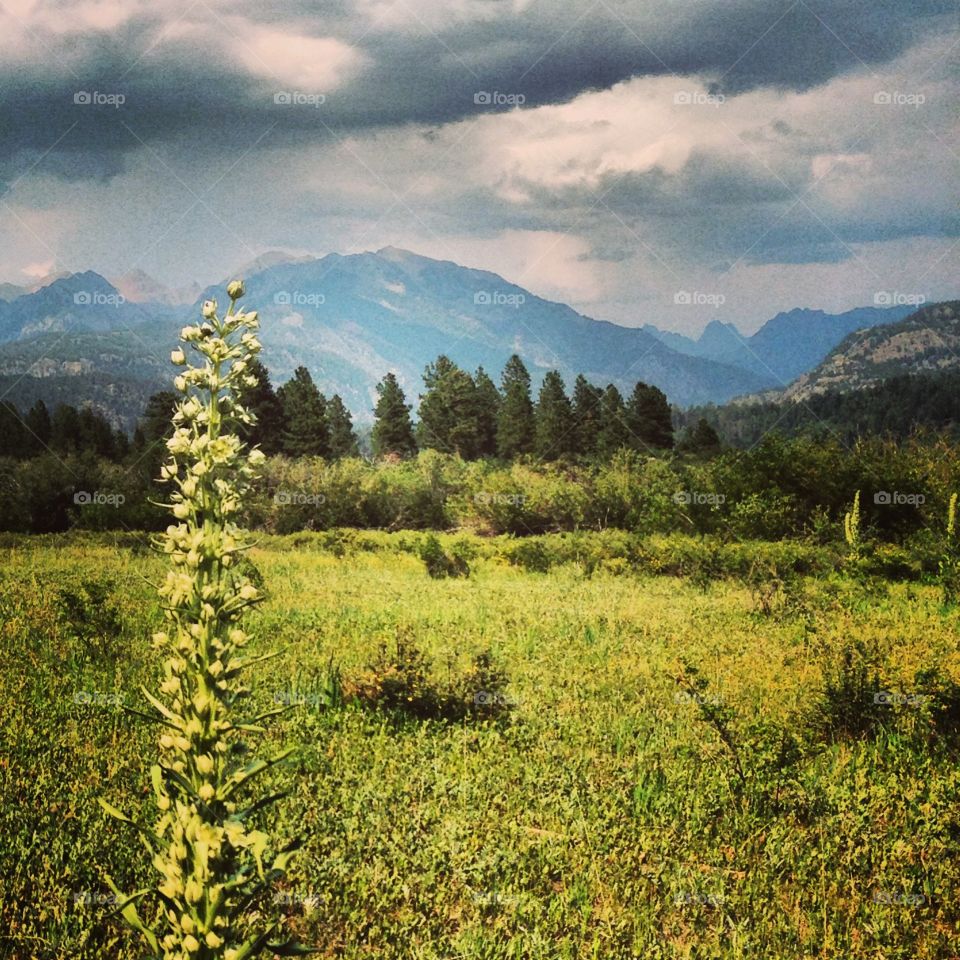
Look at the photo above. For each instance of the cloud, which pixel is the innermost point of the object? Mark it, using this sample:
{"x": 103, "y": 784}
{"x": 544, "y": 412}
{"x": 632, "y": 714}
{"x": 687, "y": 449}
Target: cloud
{"x": 617, "y": 154}
{"x": 385, "y": 64}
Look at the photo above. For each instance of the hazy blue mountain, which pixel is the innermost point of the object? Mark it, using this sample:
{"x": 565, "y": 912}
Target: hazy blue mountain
{"x": 351, "y": 319}
{"x": 927, "y": 341}
{"x": 784, "y": 347}
{"x": 81, "y": 302}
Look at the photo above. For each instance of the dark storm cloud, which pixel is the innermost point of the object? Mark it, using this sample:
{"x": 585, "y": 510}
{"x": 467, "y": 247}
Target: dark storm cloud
{"x": 412, "y": 72}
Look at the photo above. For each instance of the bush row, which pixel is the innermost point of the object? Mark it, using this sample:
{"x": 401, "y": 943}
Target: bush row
{"x": 781, "y": 489}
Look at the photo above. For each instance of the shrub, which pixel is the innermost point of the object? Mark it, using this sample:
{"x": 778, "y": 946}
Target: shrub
{"x": 401, "y": 681}
{"x": 439, "y": 563}
{"x": 91, "y": 618}
{"x": 847, "y": 707}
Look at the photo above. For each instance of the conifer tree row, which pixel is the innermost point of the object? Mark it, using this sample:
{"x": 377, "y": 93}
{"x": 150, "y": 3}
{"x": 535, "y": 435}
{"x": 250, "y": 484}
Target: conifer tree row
{"x": 459, "y": 413}
{"x": 469, "y": 416}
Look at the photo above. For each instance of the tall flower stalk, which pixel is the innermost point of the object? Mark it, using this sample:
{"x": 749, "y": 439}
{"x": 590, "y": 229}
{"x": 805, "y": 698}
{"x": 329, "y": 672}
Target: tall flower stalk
{"x": 851, "y": 526}
{"x": 949, "y": 566}
{"x": 214, "y": 867}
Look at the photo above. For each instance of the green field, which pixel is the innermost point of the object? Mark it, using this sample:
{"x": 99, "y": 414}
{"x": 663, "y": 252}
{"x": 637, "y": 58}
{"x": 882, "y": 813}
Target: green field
{"x": 605, "y": 811}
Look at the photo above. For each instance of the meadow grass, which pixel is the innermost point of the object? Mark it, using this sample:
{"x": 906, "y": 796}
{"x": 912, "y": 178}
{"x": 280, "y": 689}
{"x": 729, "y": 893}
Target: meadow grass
{"x": 604, "y": 815}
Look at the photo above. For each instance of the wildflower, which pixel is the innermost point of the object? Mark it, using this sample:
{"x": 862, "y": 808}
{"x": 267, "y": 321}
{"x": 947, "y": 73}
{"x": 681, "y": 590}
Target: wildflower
{"x": 203, "y": 601}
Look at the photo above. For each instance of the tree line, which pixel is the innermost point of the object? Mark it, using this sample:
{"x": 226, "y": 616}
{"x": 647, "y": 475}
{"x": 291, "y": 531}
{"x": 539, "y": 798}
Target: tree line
{"x": 460, "y": 413}
{"x": 896, "y": 407}
{"x": 468, "y": 415}
{"x": 67, "y": 431}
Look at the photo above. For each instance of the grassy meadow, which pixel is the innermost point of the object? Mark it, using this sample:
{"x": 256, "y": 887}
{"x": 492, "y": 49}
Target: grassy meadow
{"x": 680, "y": 759}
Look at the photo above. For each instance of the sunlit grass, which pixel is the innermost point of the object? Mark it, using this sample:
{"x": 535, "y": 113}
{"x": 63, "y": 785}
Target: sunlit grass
{"x": 601, "y": 819}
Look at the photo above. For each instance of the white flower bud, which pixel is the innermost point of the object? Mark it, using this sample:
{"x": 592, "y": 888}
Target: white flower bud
{"x": 209, "y": 309}
{"x": 178, "y": 357}
{"x": 235, "y": 289}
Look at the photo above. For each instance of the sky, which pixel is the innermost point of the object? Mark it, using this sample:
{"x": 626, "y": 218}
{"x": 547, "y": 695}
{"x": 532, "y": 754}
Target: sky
{"x": 647, "y": 161}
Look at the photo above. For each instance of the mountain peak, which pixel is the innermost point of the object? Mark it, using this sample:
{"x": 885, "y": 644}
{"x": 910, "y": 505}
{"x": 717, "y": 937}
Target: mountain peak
{"x": 138, "y": 286}
{"x": 272, "y": 258}
{"x": 397, "y": 254}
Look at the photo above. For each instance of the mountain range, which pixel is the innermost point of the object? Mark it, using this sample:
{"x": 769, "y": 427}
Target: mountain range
{"x": 351, "y": 319}
{"x": 787, "y": 345}
{"x": 925, "y": 342}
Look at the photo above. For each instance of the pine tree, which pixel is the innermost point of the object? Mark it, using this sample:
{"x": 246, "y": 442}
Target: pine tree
{"x": 587, "y": 403}
{"x": 96, "y": 435}
{"x": 701, "y": 440}
{"x": 649, "y": 418}
{"x": 515, "y": 427}
{"x": 488, "y": 402}
{"x": 304, "y": 409}
{"x": 14, "y": 438}
{"x": 65, "y": 429}
{"x": 614, "y": 432}
{"x": 554, "y": 419}
{"x": 448, "y": 410}
{"x": 154, "y": 426}
{"x": 392, "y": 428}
{"x": 343, "y": 441}
{"x": 37, "y": 422}
{"x": 262, "y": 401}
